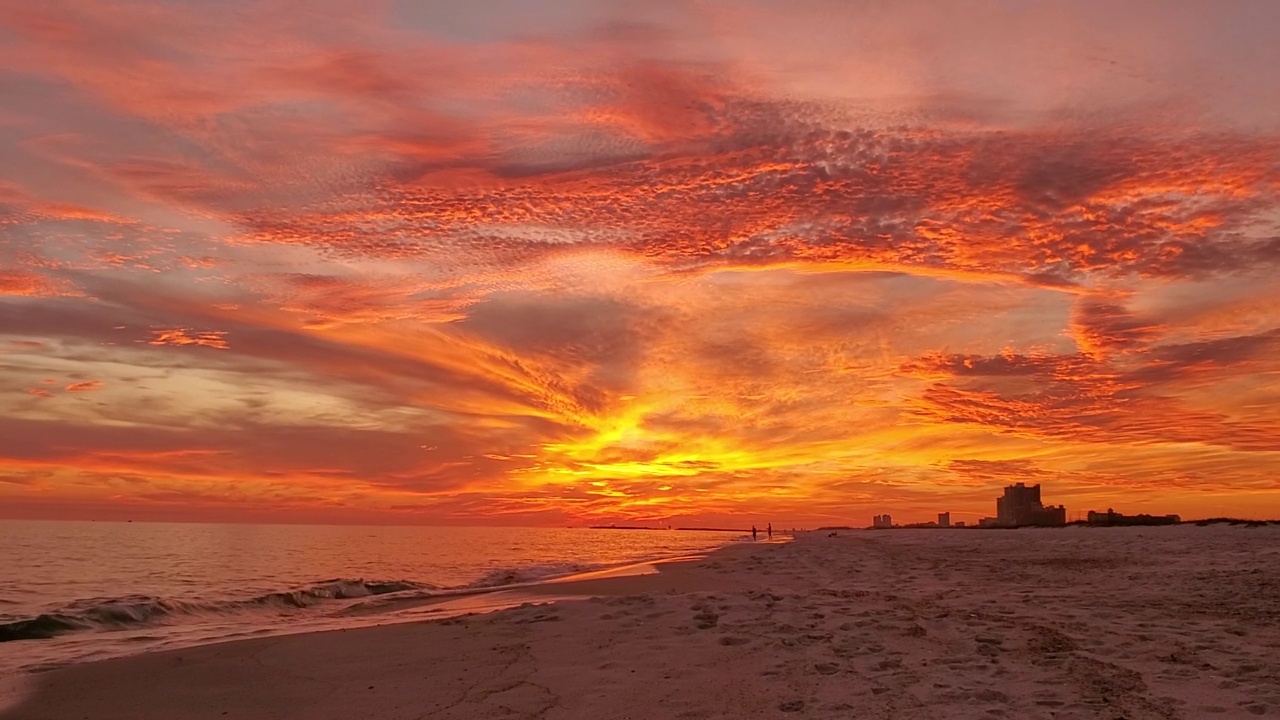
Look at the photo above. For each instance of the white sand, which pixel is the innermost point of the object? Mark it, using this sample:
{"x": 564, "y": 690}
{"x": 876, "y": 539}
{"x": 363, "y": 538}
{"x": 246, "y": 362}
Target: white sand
{"x": 1132, "y": 623}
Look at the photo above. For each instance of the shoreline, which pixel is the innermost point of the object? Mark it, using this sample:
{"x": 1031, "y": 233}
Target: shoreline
{"x": 663, "y": 575}
{"x": 80, "y": 646}
{"x": 1016, "y": 625}
{"x": 673, "y": 574}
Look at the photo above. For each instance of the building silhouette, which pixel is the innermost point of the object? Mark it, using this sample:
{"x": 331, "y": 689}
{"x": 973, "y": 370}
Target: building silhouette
{"x": 1020, "y": 505}
{"x": 944, "y": 519}
{"x": 882, "y": 521}
{"x": 1111, "y": 517}
{"x": 1104, "y": 518}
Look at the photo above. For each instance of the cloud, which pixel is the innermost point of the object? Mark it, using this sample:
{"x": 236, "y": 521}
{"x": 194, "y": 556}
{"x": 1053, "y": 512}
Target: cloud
{"x": 1092, "y": 400}
{"x": 1007, "y": 363}
{"x": 338, "y": 461}
{"x": 178, "y": 336}
{"x": 643, "y": 144}
{"x": 1205, "y": 361}
{"x": 633, "y": 261}
{"x": 327, "y": 301}
{"x": 1102, "y": 327}
{"x": 984, "y": 472}
{"x": 29, "y": 284}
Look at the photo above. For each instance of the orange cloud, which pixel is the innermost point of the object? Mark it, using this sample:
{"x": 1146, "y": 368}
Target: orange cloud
{"x": 645, "y": 266}
{"x": 1100, "y": 327}
{"x": 178, "y": 336}
{"x": 1080, "y": 397}
{"x": 29, "y": 284}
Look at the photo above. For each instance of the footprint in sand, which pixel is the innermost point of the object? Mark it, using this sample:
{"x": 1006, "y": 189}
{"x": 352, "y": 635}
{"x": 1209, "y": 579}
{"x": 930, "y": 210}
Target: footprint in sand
{"x": 989, "y": 695}
{"x": 889, "y": 664}
{"x": 706, "y": 620}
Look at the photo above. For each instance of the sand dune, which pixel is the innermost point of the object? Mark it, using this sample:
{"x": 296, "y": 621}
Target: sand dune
{"x": 1135, "y": 623}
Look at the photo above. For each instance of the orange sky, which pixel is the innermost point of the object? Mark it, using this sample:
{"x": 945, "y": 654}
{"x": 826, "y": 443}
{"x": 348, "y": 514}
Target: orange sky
{"x": 582, "y": 261}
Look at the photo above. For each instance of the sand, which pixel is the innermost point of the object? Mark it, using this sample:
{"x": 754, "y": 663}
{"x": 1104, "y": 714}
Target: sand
{"x": 1136, "y": 623}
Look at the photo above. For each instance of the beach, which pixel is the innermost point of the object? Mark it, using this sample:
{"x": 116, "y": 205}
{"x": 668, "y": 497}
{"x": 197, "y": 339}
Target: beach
{"x": 1135, "y": 623}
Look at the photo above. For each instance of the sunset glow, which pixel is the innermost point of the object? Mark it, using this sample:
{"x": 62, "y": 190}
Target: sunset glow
{"x": 524, "y": 261}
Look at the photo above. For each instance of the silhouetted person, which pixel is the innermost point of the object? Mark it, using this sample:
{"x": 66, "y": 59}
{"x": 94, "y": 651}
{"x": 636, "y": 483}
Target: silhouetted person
{"x": 770, "y": 530}
{"x": 753, "y": 532}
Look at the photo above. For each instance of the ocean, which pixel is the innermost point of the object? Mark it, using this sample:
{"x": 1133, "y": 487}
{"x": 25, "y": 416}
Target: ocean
{"x": 78, "y": 591}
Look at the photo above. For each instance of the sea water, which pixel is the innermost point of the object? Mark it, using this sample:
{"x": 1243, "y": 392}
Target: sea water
{"x": 77, "y": 591}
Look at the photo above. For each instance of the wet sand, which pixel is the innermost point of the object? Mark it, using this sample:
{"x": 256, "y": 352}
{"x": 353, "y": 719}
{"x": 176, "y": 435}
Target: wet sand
{"x": 1136, "y": 623}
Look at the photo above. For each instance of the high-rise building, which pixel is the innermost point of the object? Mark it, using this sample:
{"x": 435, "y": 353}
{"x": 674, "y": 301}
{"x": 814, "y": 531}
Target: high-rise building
{"x": 1017, "y": 504}
{"x": 1020, "y": 505}
{"x": 944, "y": 519}
{"x": 882, "y": 521}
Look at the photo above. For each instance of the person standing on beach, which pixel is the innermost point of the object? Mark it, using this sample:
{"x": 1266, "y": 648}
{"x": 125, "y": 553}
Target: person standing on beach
{"x": 753, "y": 532}
{"x": 770, "y": 531}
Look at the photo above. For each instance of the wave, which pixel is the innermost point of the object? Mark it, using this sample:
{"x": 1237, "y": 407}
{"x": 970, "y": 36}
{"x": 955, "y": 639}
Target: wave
{"x": 137, "y": 611}
{"x": 141, "y": 610}
{"x": 528, "y": 574}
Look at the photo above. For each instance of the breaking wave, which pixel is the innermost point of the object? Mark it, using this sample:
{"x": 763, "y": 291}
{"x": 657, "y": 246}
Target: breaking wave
{"x": 138, "y": 611}
{"x": 141, "y": 610}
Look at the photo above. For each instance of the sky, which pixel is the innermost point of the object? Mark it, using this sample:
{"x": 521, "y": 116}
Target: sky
{"x": 584, "y": 261}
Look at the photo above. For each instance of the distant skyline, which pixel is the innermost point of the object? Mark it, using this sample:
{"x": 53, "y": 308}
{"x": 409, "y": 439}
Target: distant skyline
{"x": 579, "y": 262}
